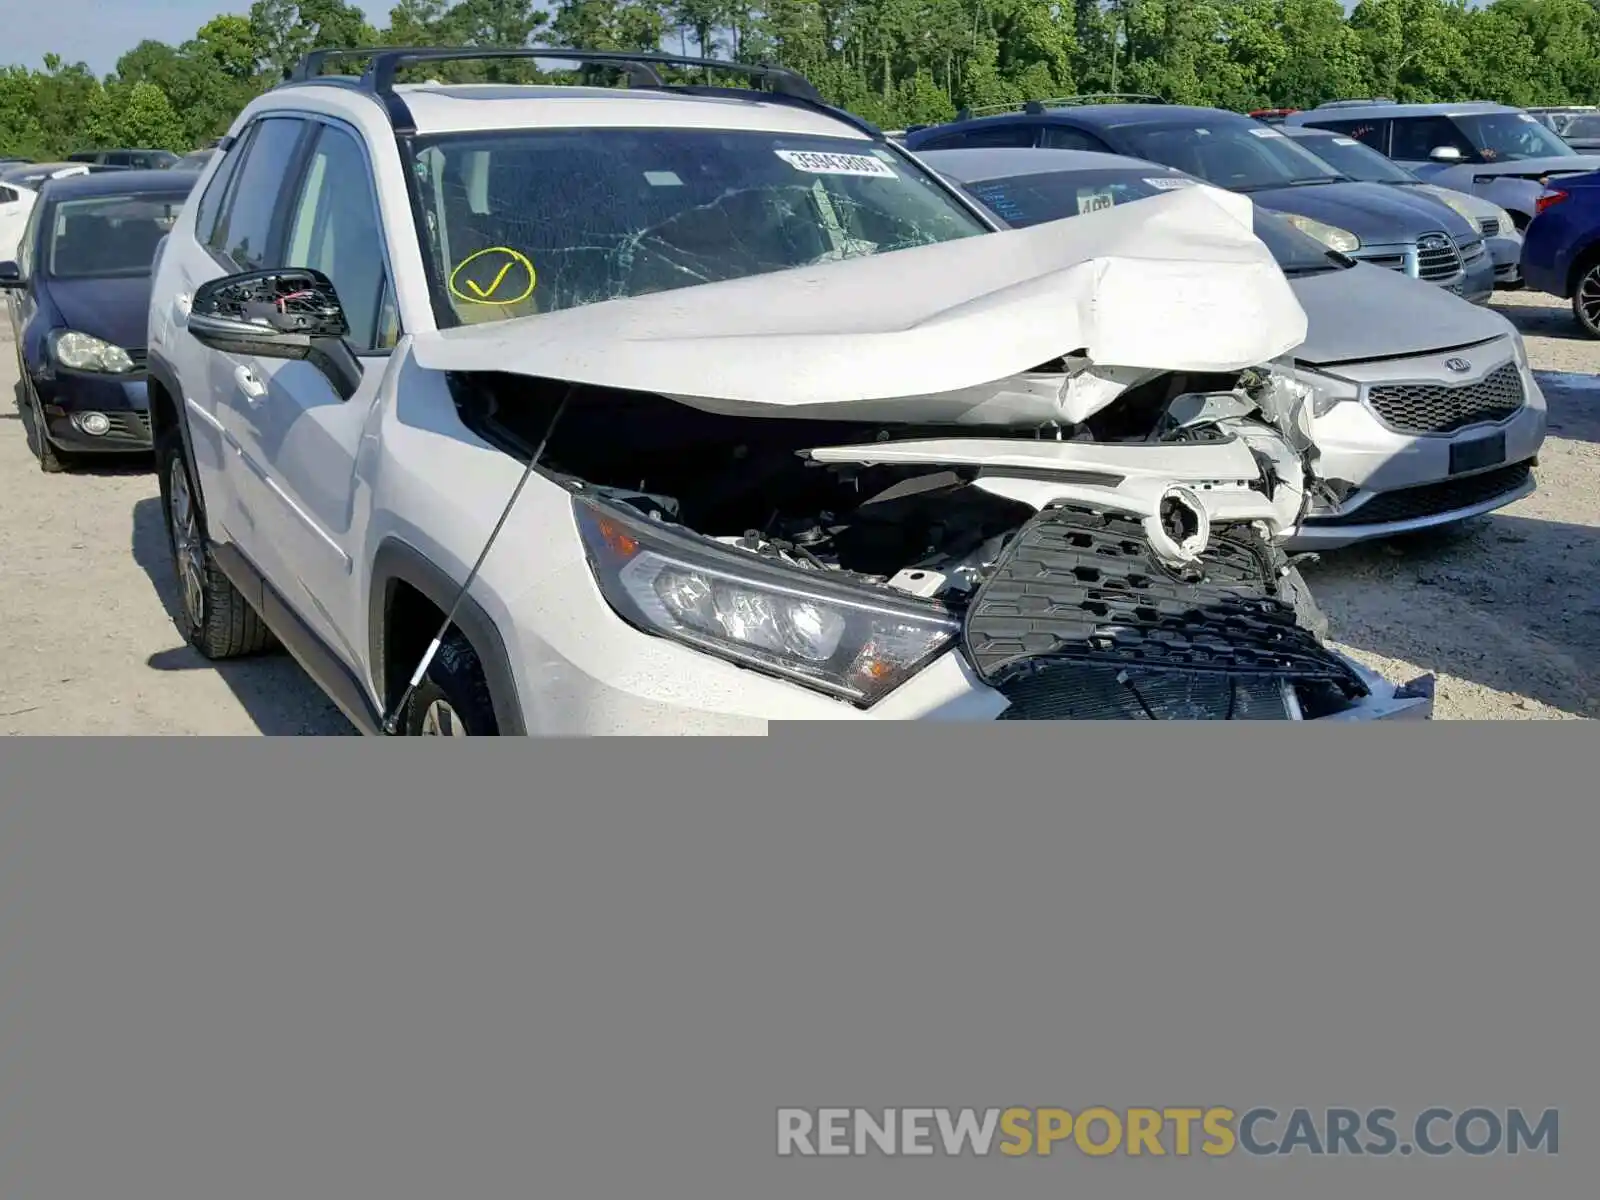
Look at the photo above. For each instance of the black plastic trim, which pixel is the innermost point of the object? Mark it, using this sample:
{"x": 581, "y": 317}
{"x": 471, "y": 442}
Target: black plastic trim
{"x": 159, "y": 370}
{"x": 399, "y": 562}
{"x": 326, "y": 669}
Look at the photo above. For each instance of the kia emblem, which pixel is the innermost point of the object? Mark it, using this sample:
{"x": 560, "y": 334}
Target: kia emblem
{"x": 1459, "y": 365}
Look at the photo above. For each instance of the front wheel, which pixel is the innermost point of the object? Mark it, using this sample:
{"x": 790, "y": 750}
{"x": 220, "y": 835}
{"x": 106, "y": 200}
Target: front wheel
{"x": 1586, "y": 300}
{"x": 51, "y": 460}
{"x": 453, "y": 699}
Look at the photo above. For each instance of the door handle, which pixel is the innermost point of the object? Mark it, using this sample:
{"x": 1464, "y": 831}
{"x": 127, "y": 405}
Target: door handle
{"x": 252, "y": 387}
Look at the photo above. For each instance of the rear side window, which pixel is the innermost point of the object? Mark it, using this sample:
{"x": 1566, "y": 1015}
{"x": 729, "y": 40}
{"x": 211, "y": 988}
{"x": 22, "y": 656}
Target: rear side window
{"x": 1415, "y": 138}
{"x": 1368, "y": 133}
{"x": 251, "y": 209}
{"x": 985, "y": 135}
{"x": 1064, "y": 137}
{"x": 25, "y": 244}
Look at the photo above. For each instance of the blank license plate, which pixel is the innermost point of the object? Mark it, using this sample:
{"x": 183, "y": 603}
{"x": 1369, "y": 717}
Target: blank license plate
{"x": 1478, "y": 453}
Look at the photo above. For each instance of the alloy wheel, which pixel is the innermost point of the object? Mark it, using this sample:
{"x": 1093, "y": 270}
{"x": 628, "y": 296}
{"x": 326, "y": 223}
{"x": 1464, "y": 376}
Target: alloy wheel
{"x": 440, "y": 720}
{"x": 1586, "y": 303}
{"x": 186, "y": 546}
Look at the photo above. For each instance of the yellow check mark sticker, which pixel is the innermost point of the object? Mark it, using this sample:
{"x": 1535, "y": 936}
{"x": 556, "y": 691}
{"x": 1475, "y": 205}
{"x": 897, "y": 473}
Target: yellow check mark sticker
{"x": 512, "y": 281}
{"x": 493, "y": 287}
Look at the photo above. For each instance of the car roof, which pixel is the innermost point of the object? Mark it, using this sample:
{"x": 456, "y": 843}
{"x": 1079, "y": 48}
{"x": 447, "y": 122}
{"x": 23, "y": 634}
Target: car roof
{"x": 1380, "y": 109}
{"x": 117, "y": 183}
{"x": 438, "y": 108}
{"x": 1107, "y": 116}
{"x": 1006, "y": 162}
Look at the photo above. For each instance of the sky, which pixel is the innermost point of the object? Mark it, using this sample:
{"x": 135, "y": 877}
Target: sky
{"x": 99, "y": 33}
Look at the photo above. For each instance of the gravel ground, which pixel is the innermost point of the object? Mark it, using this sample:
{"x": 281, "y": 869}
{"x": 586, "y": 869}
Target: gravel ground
{"x": 1505, "y": 611}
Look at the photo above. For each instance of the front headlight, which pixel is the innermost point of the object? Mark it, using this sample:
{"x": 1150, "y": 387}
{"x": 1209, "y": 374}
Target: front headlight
{"x": 1326, "y": 391}
{"x": 81, "y": 352}
{"x": 1330, "y": 236}
{"x": 1456, "y": 203}
{"x": 732, "y": 604}
{"x": 1505, "y": 223}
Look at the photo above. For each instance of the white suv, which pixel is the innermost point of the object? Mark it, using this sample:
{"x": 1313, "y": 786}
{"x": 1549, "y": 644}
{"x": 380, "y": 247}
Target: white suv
{"x": 683, "y": 409}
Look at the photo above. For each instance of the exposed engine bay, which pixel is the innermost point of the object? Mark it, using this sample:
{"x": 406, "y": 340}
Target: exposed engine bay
{"x": 1125, "y": 566}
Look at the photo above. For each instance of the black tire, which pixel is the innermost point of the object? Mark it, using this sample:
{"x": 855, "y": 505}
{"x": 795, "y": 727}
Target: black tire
{"x": 1586, "y": 299}
{"x": 453, "y": 698}
{"x": 52, "y": 461}
{"x": 225, "y": 625}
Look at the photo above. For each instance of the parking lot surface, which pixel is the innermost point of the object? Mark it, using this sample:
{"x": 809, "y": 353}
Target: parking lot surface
{"x": 1506, "y": 611}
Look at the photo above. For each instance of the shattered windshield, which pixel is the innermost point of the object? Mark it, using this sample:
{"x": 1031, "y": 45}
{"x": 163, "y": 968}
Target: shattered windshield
{"x": 534, "y": 221}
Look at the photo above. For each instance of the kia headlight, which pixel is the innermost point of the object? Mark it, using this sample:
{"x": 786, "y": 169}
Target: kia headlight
{"x": 1330, "y": 236}
{"x": 81, "y": 352}
{"x": 1326, "y": 391}
{"x": 730, "y": 603}
{"x": 1505, "y": 223}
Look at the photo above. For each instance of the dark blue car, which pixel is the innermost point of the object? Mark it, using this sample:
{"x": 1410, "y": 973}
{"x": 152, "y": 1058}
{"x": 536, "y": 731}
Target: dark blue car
{"x": 1367, "y": 221}
{"x": 79, "y": 298}
{"x": 1561, "y": 247}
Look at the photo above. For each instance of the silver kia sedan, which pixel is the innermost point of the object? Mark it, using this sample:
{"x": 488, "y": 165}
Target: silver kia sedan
{"x": 1425, "y": 410}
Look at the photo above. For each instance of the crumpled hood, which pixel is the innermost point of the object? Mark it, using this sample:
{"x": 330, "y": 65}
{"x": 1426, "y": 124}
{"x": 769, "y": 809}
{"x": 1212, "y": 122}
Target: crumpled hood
{"x": 1176, "y": 282}
{"x": 1367, "y": 312}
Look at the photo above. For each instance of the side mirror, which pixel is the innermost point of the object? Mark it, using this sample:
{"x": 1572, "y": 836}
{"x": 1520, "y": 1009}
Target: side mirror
{"x": 283, "y": 312}
{"x": 10, "y": 275}
{"x": 1445, "y": 154}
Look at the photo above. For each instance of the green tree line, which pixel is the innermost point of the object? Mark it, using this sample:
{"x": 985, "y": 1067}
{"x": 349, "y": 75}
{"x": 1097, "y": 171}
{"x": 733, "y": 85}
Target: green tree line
{"x": 895, "y": 62}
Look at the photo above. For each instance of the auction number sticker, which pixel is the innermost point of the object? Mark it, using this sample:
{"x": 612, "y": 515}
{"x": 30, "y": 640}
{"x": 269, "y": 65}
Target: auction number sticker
{"x": 1094, "y": 200}
{"x": 815, "y": 162}
{"x": 1168, "y": 183}
{"x": 1267, "y": 132}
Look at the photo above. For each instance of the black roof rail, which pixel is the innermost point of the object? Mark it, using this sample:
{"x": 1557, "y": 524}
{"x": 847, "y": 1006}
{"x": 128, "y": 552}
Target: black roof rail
{"x": 641, "y": 69}
{"x": 1034, "y": 107}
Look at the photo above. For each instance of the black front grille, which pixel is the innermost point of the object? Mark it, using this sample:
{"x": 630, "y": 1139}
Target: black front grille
{"x": 1433, "y": 499}
{"x": 1081, "y": 587}
{"x": 128, "y": 426}
{"x": 1437, "y": 261}
{"x": 1105, "y": 692}
{"x": 1445, "y": 408}
{"x": 1389, "y": 262}
{"x": 1489, "y": 226}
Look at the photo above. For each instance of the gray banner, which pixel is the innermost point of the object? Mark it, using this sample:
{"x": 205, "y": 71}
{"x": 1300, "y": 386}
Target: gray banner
{"x": 342, "y": 970}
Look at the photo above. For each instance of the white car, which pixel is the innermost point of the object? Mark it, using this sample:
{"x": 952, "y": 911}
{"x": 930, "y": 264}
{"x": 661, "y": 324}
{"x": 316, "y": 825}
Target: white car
{"x": 16, "y": 203}
{"x": 674, "y": 410}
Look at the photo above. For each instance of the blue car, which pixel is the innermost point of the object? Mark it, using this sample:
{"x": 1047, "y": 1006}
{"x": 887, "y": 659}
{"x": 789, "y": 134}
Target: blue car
{"x": 1366, "y": 221}
{"x": 79, "y": 299}
{"x": 1561, "y": 247}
